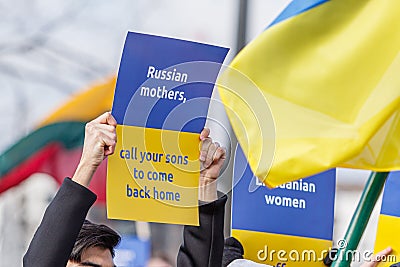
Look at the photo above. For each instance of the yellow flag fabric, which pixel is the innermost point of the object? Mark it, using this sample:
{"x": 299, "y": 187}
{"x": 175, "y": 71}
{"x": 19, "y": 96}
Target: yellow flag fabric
{"x": 331, "y": 78}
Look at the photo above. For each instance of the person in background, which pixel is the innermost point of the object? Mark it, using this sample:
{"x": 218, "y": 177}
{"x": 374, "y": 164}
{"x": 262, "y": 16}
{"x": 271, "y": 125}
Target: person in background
{"x": 64, "y": 238}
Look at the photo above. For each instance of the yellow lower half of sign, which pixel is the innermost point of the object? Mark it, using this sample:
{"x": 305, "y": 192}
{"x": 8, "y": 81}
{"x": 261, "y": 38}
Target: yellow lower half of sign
{"x": 153, "y": 176}
{"x": 387, "y": 235}
{"x": 282, "y": 250}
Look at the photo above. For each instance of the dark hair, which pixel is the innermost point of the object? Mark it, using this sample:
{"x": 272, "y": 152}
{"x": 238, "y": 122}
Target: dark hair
{"x": 94, "y": 235}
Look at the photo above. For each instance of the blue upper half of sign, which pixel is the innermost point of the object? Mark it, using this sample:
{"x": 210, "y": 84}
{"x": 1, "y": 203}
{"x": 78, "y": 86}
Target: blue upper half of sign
{"x": 166, "y": 83}
{"x": 391, "y": 195}
{"x": 301, "y": 208}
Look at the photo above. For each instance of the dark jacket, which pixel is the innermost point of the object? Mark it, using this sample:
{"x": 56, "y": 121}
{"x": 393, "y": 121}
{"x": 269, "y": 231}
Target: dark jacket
{"x": 203, "y": 245}
{"x": 55, "y": 238}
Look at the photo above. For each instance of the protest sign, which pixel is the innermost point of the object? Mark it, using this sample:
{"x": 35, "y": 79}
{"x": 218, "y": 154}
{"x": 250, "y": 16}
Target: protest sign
{"x": 389, "y": 220}
{"x": 286, "y": 226}
{"x": 161, "y": 102}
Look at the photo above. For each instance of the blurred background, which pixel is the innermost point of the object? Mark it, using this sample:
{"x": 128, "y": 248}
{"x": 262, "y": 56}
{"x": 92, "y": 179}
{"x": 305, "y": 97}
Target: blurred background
{"x": 50, "y": 51}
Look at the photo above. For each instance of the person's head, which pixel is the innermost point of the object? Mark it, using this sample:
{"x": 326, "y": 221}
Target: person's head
{"x": 94, "y": 246}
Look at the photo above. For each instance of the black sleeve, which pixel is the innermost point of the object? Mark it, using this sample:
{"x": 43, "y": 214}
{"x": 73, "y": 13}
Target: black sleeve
{"x": 203, "y": 245}
{"x": 233, "y": 250}
{"x": 55, "y": 238}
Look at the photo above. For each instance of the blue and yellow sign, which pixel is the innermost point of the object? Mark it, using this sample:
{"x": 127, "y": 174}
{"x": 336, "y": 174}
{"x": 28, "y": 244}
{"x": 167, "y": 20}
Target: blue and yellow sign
{"x": 291, "y": 225}
{"x": 161, "y": 102}
{"x": 389, "y": 220}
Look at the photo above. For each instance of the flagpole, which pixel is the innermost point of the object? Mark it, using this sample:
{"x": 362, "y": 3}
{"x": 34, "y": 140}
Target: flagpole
{"x": 242, "y": 25}
{"x": 360, "y": 219}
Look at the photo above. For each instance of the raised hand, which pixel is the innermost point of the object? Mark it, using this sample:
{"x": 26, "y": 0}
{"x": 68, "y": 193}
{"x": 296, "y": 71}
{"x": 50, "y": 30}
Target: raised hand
{"x": 100, "y": 141}
{"x": 212, "y": 158}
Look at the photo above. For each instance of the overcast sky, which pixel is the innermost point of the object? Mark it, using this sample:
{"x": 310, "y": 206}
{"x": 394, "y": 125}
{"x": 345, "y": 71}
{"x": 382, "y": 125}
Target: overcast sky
{"x": 50, "y": 50}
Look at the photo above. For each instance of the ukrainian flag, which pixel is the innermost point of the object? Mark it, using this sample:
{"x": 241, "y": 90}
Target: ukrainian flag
{"x": 329, "y": 73}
